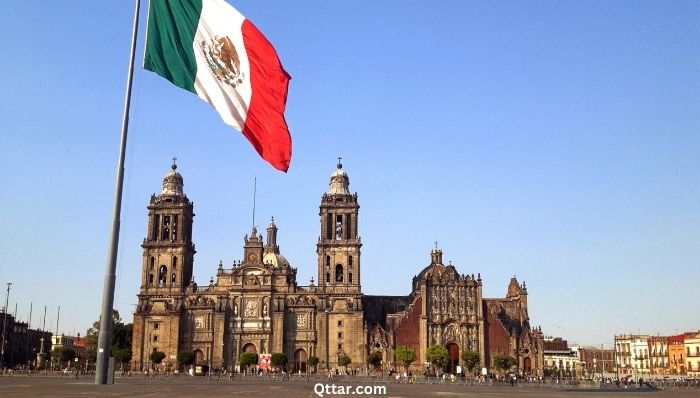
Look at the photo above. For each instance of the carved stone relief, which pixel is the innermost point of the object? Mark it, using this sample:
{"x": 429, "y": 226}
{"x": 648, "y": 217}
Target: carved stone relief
{"x": 251, "y": 308}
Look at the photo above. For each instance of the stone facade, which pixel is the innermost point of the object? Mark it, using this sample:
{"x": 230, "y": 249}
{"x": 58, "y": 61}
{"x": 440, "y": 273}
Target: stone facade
{"x": 256, "y": 304}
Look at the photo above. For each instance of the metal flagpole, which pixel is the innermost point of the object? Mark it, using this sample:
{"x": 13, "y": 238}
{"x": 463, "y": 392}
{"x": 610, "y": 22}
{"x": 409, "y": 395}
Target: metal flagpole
{"x": 104, "y": 339}
{"x": 255, "y": 190}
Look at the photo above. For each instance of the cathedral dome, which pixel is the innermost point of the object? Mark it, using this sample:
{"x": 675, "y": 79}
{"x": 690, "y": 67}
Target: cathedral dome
{"x": 172, "y": 182}
{"x": 431, "y": 270}
{"x": 275, "y": 259}
{"x": 339, "y": 181}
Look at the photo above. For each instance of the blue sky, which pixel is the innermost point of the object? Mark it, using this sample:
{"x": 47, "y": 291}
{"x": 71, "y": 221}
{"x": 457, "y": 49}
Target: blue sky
{"x": 555, "y": 141}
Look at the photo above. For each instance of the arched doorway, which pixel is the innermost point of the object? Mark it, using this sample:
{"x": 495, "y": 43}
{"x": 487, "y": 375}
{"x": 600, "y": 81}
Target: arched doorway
{"x": 527, "y": 365}
{"x": 453, "y": 354}
{"x": 250, "y": 347}
{"x": 198, "y": 357}
{"x": 300, "y": 360}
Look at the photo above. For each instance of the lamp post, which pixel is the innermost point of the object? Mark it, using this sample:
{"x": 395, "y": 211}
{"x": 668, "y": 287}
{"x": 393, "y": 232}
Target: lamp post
{"x": 4, "y": 327}
{"x": 595, "y": 364}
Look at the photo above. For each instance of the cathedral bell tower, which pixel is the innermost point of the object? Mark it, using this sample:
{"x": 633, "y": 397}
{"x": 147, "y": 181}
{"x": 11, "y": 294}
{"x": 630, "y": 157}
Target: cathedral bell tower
{"x": 339, "y": 245}
{"x": 168, "y": 252}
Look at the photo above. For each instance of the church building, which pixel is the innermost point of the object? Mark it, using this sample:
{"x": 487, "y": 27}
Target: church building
{"x": 256, "y": 304}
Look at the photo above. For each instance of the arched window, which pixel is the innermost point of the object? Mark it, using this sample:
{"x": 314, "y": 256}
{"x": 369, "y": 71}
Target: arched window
{"x": 153, "y": 262}
{"x": 350, "y": 262}
{"x": 350, "y": 277}
{"x": 328, "y": 262}
{"x": 338, "y": 226}
{"x": 173, "y": 279}
{"x": 338, "y": 273}
{"x": 174, "y": 262}
{"x": 150, "y": 279}
{"x": 156, "y": 227}
{"x": 162, "y": 274}
{"x": 328, "y": 277}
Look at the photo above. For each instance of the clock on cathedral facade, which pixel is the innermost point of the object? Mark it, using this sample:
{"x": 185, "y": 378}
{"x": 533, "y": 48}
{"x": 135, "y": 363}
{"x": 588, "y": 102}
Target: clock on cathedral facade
{"x": 256, "y": 305}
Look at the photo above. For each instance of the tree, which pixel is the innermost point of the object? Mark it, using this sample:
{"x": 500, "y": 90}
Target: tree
{"x": 185, "y": 358}
{"x": 437, "y": 355}
{"x": 63, "y": 355}
{"x": 248, "y": 358}
{"x": 157, "y": 357}
{"x": 470, "y": 359}
{"x": 503, "y": 362}
{"x": 312, "y": 361}
{"x": 374, "y": 359}
{"x": 55, "y": 355}
{"x": 278, "y": 360}
{"x": 344, "y": 360}
{"x": 123, "y": 356}
{"x": 406, "y": 355}
{"x": 120, "y": 336}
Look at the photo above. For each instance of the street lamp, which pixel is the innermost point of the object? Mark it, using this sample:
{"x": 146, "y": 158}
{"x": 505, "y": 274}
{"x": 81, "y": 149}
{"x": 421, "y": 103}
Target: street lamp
{"x": 595, "y": 364}
{"x": 4, "y": 326}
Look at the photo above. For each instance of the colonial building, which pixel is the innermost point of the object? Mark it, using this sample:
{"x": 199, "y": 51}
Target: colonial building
{"x": 658, "y": 355}
{"x": 559, "y": 359}
{"x": 684, "y": 354}
{"x": 596, "y": 361}
{"x": 692, "y": 351}
{"x": 633, "y": 355}
{"x": 25, "y": 347}
{"x": 256, "y": 305}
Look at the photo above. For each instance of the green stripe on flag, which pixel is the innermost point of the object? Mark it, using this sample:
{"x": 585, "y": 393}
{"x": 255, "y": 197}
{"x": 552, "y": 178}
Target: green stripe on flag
{"x": 169, "y": 50}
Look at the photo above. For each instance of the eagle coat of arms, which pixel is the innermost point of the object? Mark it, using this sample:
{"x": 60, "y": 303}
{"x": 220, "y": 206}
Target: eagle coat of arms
{"x": 223, "y": 60}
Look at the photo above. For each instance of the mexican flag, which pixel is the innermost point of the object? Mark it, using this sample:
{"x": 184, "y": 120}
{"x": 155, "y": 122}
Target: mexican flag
{"x": 210, "y": 49}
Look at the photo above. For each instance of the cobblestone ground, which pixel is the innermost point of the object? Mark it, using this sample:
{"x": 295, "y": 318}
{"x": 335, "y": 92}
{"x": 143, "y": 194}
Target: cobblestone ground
{"x": 187, "y": 387}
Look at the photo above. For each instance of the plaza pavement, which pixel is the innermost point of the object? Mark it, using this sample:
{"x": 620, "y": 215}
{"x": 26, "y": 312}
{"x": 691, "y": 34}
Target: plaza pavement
{"x": 189, "y": 387}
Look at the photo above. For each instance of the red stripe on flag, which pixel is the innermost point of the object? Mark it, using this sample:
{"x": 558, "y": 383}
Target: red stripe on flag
{"x": 265, "y": 126}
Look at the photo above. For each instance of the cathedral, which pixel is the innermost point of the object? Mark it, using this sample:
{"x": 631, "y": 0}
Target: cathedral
{"x": 256, "y": 304}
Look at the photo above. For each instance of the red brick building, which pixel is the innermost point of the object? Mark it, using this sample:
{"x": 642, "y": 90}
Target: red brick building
{"x": 596, "y": 360}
